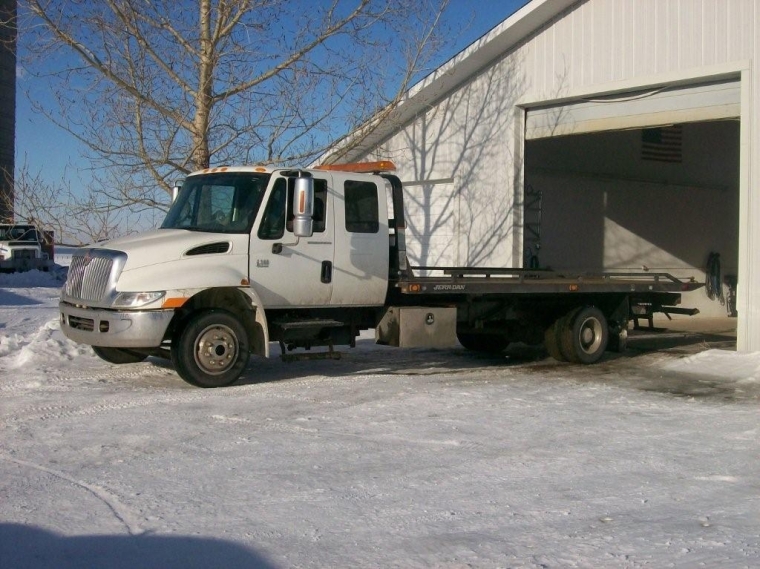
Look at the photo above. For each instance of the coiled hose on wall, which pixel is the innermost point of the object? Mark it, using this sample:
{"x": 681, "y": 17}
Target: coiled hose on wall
{"x": 713, "y": 283}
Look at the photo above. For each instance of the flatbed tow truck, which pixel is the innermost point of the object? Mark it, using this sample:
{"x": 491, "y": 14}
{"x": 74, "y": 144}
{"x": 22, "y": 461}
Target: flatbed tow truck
{"x": 311, "y": 257}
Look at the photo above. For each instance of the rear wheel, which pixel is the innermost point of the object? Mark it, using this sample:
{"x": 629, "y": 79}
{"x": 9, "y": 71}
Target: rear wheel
{"x": 584, "y": 339}
{"x": 554, "y": 334}
{"x": 119, "y": 355}
{"x": 211, "y": 350}
{"x": 484, "y": 343}
{"x": 552, "y": 340}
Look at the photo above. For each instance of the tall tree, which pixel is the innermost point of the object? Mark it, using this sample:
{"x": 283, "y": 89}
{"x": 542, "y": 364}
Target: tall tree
{"x": 159, "y": 88}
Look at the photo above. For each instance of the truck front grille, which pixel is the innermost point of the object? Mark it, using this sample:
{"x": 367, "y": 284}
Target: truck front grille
{"x": 88, "y": 277}
{"x": 92, "y": 274}
{"x": 23, "y": 254}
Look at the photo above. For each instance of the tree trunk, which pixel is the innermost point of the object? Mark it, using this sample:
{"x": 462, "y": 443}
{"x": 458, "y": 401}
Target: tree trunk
{"x": 203, "y": 100}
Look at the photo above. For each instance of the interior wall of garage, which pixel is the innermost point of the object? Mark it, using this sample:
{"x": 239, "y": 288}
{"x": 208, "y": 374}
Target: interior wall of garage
{"x": 605, "y": 207}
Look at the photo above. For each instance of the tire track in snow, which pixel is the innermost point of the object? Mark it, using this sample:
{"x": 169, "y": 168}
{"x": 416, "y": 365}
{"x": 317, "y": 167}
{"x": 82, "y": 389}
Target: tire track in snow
{"x": 119, "y": 510}
{"x": 61, "y": 380}
{"x": 269, "y": 385}
{"x": 152, "y": 398}
{"x": 54, "y": 412}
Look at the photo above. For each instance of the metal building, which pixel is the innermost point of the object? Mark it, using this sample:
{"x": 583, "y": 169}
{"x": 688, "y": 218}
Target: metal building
{"x": 7, "y": 105}
{"x": 595, "y": 134}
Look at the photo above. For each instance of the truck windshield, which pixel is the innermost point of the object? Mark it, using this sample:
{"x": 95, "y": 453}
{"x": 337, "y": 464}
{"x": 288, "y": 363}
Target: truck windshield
{"x": 18, "y": 233}
{"x": 219, "y": 203}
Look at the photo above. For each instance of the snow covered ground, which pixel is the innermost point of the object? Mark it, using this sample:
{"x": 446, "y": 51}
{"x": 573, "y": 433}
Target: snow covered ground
{"x": 387, "y": 458}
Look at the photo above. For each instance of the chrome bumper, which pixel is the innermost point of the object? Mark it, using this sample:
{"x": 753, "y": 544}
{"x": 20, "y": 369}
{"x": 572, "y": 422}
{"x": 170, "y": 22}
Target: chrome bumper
{"x": 114, "y": 329}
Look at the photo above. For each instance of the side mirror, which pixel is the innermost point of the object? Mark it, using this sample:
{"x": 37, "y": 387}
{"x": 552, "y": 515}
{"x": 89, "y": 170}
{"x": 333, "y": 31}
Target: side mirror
{"x": 175, "y": 189}
{"x": 303, "y": 207}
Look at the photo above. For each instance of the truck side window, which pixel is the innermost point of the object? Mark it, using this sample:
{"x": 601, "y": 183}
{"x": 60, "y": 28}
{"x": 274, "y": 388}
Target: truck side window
{"x": 273, "y": 221}
{"x": 361, "y": 207}
{"x": 320, "y": 205}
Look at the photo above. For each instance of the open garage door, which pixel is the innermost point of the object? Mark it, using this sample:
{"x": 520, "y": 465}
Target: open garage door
{"x": 652, "y": 107}
{"x": 648, "y": 181}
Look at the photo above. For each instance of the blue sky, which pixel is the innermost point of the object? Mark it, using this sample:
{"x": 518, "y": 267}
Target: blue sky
{"x": 45, "y": 148}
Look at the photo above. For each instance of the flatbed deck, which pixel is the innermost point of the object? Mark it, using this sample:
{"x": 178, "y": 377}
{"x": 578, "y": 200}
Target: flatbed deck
{"x": 487, "y": 281}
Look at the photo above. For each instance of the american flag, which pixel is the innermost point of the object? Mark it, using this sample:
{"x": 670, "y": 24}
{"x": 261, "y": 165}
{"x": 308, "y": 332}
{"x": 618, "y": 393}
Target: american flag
{"x": 662, "y": 144}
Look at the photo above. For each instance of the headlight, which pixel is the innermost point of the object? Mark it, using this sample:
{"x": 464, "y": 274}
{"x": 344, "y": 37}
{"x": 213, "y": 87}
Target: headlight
{"x": 136, "y": 299}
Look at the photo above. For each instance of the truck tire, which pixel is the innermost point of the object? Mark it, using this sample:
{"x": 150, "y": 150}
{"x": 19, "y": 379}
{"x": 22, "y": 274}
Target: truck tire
{"x": 483, "y": 343}
{"x": 119, "y": 355}
{"x": 554, "y": 334}
{"x": 552, "y": 340}
{"x": 211, "y": 349}
{"x": 584, "y": 339}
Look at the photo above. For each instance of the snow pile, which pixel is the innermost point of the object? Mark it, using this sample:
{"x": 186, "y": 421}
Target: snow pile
{"x": 30, "y": 279}
{"x": 737, "y": 366}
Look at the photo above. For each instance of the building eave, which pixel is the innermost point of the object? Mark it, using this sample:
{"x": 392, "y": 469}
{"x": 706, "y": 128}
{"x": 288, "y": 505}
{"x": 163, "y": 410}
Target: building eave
{"x": 457, "y": 71}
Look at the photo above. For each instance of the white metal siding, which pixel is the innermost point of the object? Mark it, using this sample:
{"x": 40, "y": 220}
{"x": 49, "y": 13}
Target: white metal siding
{"x": 712, "y": 101}
{"x": 602, "y": 41}
{"x": 432, "y": 219}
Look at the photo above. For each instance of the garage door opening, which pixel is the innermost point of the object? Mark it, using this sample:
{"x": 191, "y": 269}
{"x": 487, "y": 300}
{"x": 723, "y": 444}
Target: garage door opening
{"x": 659, "y": 199}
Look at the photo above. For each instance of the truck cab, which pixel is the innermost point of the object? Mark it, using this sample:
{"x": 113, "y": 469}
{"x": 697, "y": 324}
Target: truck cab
{"x": 22, "y": 248}
{"x": 232, "y": 254}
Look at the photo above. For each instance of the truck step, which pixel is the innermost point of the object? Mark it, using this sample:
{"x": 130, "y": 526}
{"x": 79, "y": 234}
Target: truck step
{"x": 307, "y": 356}
{"x": 307, "y": 324}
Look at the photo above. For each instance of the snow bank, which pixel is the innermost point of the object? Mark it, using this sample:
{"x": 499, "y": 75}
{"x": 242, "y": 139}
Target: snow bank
{"x": 738, "y": 366}
{"x": 29, "y": 279}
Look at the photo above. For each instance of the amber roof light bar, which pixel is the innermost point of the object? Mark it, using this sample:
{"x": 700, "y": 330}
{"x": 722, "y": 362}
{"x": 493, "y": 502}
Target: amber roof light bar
{"x": 360, "y": 167}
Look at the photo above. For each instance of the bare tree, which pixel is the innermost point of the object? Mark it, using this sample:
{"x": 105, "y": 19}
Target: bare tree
{"x": 76, "y": 217}
{"x": 156, "y": 90}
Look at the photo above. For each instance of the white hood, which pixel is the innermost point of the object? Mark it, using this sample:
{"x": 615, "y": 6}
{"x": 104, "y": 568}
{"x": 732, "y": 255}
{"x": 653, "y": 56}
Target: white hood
{"x": 165, "y": 245}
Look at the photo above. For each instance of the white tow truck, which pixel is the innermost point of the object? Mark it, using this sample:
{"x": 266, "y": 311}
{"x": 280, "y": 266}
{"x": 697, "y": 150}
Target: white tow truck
{"x": 311, "y": 257}
{"x": 23, "y": 247}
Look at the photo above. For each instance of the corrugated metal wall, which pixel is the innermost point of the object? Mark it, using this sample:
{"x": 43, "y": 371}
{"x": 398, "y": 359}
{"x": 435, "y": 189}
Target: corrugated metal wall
{"x": 7, "y": 104}
{"x": 601, "y": 41}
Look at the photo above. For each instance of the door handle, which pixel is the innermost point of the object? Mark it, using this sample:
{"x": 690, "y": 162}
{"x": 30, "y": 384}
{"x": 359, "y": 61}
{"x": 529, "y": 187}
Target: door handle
{"x": 326, "y": 276}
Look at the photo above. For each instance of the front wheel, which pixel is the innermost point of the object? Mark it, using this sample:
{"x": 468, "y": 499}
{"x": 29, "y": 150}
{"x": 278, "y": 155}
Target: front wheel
{"x": 211, "y": 350}
{"x": 119, "y": 355}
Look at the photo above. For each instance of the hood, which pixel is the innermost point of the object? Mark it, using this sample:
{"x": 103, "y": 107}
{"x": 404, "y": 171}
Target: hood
{"x": 165, "y": 245}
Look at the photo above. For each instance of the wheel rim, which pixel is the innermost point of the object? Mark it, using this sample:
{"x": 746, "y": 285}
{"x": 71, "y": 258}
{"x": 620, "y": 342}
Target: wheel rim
{"x": 590, "y": 335}
{"x": 216, "y": 349}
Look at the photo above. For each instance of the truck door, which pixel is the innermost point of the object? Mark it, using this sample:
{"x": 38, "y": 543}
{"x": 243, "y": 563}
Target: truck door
{"x": 362, "y": 240}
{"x": 285, "y": 271}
